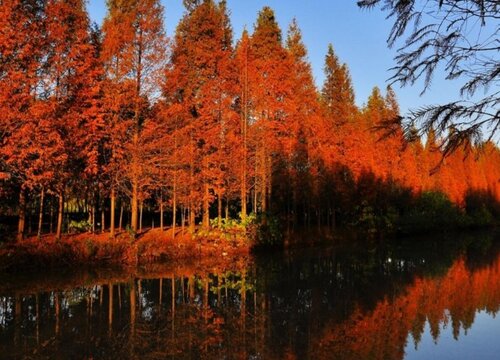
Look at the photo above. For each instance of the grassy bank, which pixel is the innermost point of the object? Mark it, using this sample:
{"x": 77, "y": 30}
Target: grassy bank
{"x": 148, "y": 247}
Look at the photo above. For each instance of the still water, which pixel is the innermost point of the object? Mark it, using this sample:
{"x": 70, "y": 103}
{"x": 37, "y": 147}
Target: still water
{"x": 418, "y": 299}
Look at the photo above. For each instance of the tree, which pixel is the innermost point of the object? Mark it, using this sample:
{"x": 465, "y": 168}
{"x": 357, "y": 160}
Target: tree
{"x": 270, "y": 93}
{"x": 462, "y": 36}
{"x": 70, "y": 77}
{"x": 25, "y": 138}
{"x": 200, "y": 90}
{"x": 242, "y": 59}
{"x": 306, "y": 131}
{"x": 337, "y": 93}
{"x": 134, "y": 47}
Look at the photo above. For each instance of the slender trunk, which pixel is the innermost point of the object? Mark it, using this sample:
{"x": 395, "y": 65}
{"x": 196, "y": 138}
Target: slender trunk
{"x": 51, "y": 225}
{"x": 243, "y": 198}
{"x": 206, "y": 213}
{"x": 191, "y": 219}
{"x": 112, "y": 213}
{"x": 191, "y": 178}
{"x": 174, "y": 206}
{"x": 219, "y": 211}
{"x": 227, "y": 211}
{"x": 103, "y": 219}
{"x": 120, "y": 223}
{"x": 29, "y": 215}
{"x": 93, "y": 218}
{"x": 40, "y": 214}
{"x": 134, "y": 205}
{"x": 22, "y": 215}
{"x": 135, "y": 158}
{"x": 89, "y": 219}
{"x": 264, "y": 195}
{"x": 161, "y": 214}
{"x": 255, "y": 197}
{"x": 183, "y": 219}
{"x": 140, "y": 217}
{"x": 60, "y": 213}
{"x": 244, "y": 134}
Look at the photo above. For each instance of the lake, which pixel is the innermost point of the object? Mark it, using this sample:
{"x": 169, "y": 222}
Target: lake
{"x": 416, "y": 299}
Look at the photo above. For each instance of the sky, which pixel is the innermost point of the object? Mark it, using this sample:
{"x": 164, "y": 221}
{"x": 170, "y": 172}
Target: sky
{"x": 358, "y": 37}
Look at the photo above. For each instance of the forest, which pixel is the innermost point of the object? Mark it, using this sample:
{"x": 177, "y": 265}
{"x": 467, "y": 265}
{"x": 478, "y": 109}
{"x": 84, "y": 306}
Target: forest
{"x": 115, "y": 128}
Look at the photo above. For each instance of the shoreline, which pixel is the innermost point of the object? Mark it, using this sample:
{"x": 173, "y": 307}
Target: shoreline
{"x": 153, "y": 246}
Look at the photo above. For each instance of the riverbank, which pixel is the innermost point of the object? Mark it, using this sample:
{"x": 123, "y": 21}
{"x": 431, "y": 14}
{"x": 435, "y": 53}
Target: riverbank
{"x": 155, "y": 247}
{"x": 151, "y": 246}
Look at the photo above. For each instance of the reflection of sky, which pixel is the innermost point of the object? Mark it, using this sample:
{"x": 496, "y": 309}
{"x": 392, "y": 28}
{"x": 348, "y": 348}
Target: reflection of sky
{"x": 6, "y": 310}
{"x": 481, "y": 341}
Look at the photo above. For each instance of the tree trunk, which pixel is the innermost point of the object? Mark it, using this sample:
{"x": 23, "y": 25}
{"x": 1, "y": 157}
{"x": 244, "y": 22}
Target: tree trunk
{"x": 89, "y": 219}
{"x": 60, "y": 214}
{"x": 254, "y": 205}
{"x": 29, "y": 216}
{"x": 174, "y": 216}
{"x": 93, "y": 218}
{"x": 22, "y": 215}
{"x": 183, "y": 219}
{"x": 244, "y": 124}
{"x": 174, "y": 206}
{"x": 161, "y": 214}
{"x": 192, "y": 219}
{"x": 103, "y": 219}
{"x": 40, "y": 215}
{"x": 135, "y": 158}
{"x": 112, "y": 214}
{"x": 243, "y": 198}
{"x": 120, "y": 223}
{"x": 140, "y": 217}
{"x": 51, "y": 226}
{"x": 134, "y": 206}
{"x": 206, "y": 213}
{"x": 264, "y": 183}
{"x": 219, "y": 211}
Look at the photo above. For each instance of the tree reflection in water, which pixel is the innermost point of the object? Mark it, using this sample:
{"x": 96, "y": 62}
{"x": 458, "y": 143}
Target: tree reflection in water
{"x": 348, "y": 302}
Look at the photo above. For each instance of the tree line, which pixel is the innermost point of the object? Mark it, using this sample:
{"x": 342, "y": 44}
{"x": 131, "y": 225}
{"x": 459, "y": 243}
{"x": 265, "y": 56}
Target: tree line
{"x": 201, "y": 127}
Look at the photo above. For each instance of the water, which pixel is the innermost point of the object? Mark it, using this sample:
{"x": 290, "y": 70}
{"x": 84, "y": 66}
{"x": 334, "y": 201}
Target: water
{"x": 417, "y": 299}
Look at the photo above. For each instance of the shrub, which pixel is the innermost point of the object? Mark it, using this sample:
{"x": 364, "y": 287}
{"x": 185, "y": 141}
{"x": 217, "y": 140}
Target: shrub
{"x": 76, "y": 227}
{"x": 431, "y": 211}
{"x": 265, "y": 231}
{"x": 482, "y": 208}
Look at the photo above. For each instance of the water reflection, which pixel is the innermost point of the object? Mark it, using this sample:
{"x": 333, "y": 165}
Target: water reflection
{"x": 367, "y": 302}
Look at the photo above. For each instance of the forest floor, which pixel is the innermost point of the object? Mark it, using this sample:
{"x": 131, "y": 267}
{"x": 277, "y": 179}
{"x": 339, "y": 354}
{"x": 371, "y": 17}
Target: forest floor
{"x": 148, "y": 247}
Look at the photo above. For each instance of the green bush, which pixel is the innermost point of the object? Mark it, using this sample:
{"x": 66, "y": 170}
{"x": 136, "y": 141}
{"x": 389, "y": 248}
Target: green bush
{"x": 482, "y": 208}
{"x": 76, "y": 227}
{"x": 431, "y": 211}
{"x": 265, "y": 230}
